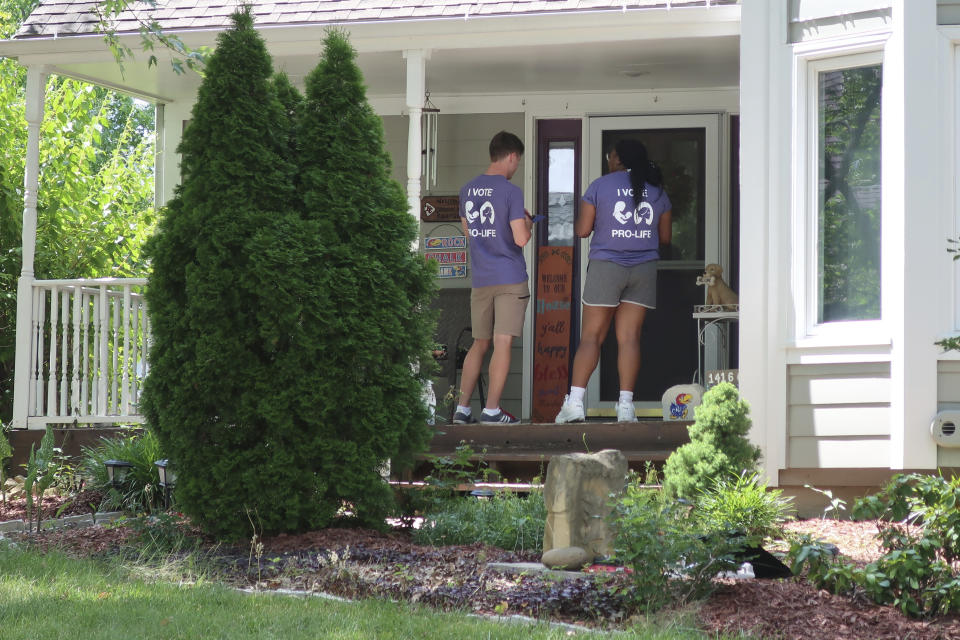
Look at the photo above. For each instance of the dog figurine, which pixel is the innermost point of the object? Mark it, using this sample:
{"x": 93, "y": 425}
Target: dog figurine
{"x": 718, "y": 293}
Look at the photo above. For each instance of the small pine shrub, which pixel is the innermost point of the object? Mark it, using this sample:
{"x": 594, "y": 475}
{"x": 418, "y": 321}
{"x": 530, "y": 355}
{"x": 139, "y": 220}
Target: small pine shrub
{"x": 718, "y": 445}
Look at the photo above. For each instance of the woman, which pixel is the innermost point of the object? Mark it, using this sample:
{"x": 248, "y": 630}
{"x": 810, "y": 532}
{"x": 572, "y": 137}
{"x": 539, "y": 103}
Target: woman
{"x": 628, "y": 214}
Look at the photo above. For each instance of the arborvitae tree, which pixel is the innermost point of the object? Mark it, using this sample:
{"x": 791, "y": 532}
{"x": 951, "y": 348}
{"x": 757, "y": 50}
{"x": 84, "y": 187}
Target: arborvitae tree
{"x": 285, "y": 333}
{"x": 225, "y": 302}
{"x": 374, "y": 324}
{"x": 718, "y": 444}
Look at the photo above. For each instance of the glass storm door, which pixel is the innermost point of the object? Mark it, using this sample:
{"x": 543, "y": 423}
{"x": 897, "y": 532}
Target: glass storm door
{"x": 557, "y": 286}
{"x": 687, "y": 150}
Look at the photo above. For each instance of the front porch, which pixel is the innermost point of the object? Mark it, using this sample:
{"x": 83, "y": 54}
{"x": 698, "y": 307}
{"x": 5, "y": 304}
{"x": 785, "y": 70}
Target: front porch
{"x": 521, "y": 453}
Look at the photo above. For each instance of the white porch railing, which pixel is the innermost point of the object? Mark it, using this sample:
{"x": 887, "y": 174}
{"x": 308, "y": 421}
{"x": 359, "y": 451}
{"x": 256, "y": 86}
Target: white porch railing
{"x": 88, "y": 351}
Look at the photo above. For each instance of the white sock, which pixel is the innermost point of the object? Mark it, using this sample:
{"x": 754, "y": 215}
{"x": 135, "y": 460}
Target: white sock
{"x": 576, "y": 394}
{"x": 626, "y": 396}
{"x": 491, "y": 412}
{"x": 464, "y": 410}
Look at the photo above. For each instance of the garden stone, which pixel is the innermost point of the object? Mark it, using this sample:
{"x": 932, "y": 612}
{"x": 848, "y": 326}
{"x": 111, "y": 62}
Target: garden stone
{"x": 577, "y": 495}
{"x": 12, "y": 525}
{"x": 571, "y": 558}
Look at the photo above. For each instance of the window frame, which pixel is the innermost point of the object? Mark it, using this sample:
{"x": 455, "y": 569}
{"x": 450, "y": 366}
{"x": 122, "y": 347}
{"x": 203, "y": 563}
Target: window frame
{"x": 808, "y": 331}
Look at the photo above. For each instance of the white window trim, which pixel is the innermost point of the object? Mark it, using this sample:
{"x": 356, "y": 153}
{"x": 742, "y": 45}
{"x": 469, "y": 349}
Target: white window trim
{"x": 810, "y": 60}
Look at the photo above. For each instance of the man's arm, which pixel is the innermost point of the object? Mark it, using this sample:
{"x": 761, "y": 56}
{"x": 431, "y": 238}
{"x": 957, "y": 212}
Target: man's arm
{"x": 521, "y": 230}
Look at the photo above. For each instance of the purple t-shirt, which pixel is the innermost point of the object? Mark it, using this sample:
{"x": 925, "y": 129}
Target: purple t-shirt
{"x": 625, "y": 232}
{"x": 488, "y": 204}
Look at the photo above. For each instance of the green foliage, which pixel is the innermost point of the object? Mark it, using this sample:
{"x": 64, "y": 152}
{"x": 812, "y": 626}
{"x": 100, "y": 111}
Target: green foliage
{"x": 286, "y": 302}
{"x": 835, "y": 505}
{"x": 161, "y": 533}
{"x": 718, "y": 445}
{"x": 919, "y": 531}
{"x": 139, "y": 492}
{"x": 505, "y": 520}
{"x": 42, "y": 467}
{"x": 745, "y": 506}
{"x": 673, "y": 560}
{"x": 95, "y": 202}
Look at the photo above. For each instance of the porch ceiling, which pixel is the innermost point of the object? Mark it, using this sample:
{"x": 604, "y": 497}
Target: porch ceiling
{"x": 671, "y": 63}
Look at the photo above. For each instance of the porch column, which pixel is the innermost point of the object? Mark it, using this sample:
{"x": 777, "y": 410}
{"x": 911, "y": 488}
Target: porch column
{"x": 416, "y": 87}
{"x": 34, "y": 98}
{"x": 913, "y": 245}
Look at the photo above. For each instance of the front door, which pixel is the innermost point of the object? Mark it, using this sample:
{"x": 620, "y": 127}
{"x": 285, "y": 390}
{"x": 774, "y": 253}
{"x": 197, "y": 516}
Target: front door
{"x": 687, "y": 150}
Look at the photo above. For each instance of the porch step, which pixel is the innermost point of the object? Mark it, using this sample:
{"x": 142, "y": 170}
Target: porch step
{"x": 639, "y": 441}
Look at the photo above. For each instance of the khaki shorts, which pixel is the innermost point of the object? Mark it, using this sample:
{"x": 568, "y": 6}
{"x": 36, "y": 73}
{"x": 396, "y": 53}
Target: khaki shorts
{"x": 608, "y": 284}
{"x": 498, "y": 309}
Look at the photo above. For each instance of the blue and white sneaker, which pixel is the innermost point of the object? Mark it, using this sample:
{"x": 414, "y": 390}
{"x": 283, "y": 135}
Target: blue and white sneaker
{"x": 461, "y": 418}
{"x": 500, "y": 417}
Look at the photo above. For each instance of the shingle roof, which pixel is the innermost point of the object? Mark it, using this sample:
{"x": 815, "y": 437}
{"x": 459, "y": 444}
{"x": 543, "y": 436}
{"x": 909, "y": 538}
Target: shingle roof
{"x": 68, "y": 17}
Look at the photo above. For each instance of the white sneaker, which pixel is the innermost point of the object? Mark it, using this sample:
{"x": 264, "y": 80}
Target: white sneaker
{"x": 626, "y": 412}
{"x": 571, "y": 411}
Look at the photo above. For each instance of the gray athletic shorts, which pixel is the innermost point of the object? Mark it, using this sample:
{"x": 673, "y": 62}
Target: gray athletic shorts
{"x": 608, "y": 284}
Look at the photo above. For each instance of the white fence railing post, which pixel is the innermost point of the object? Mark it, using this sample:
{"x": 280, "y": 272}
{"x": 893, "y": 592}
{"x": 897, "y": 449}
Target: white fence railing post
{"x": 88, "y": 353}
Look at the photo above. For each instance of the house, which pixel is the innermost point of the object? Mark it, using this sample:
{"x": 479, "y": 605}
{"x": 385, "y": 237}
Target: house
{"x": 809, "y": 147}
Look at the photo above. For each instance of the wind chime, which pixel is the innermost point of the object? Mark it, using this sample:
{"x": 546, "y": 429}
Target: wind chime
{"x": 431, "y": 117}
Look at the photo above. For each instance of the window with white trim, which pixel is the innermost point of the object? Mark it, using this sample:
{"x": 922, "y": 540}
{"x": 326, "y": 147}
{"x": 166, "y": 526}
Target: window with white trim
{"x": 845, "y": 105}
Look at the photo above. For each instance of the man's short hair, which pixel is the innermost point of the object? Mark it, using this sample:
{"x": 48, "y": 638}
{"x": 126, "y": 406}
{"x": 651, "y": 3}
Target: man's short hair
{"x": 503, "y": 144}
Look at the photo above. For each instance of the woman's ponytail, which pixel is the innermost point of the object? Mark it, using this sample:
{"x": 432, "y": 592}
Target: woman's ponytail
{"x": 633, "y": 156}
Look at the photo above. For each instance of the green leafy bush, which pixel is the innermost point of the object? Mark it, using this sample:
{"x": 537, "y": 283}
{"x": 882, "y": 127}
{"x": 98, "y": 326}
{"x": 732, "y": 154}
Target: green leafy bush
{"x": 919, "y": 531}
{"x": 718, "y": 445}
{"x": 288, "y": 310}
{"x": 745, "y": 506}
{"x": 140, "y": 490}
{"x": 673, "y": 561}
{"x": 505, "y": 520}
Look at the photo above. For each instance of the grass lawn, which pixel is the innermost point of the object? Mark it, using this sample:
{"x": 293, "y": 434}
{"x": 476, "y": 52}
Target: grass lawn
{"x": 52, "y": 596}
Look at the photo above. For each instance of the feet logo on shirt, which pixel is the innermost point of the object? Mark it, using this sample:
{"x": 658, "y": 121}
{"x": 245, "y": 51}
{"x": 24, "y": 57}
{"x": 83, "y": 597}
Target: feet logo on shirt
{"x": 643, "y": 214}
{"x": 620, "y": 212}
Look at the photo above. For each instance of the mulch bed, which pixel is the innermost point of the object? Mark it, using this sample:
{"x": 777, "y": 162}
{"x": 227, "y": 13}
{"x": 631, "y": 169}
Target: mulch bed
{"x": 359, "y": 563}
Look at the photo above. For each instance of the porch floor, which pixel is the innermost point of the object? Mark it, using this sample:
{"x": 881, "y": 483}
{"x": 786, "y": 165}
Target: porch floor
{"x": 521, "y": 452}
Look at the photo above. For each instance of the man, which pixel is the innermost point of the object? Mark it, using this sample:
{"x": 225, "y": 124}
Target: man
{"x": 493, "y": 217}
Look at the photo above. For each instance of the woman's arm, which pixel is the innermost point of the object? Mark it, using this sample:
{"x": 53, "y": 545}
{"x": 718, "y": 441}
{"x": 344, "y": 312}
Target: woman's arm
{"x": 665, "y": 227}
{"x": 583, "y": 226}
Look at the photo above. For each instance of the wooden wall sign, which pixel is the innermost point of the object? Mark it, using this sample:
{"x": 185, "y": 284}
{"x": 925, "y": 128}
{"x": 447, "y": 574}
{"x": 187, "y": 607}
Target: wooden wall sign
{"x": 440, "y": 208}
{"x": 552, "y": 315}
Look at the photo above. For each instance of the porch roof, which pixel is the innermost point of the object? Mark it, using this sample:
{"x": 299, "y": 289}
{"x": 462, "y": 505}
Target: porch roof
{"x": 73, "y": 17}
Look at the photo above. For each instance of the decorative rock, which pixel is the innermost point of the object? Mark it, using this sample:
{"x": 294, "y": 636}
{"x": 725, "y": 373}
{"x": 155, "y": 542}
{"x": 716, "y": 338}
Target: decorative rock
{"x": 569, "y": 558}
{"x": 577, "y": 493}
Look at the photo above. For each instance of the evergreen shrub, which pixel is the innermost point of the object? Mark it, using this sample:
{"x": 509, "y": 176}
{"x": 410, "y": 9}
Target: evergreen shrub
{"x": 285, "y": 299}
{"x": 718, "y": 445}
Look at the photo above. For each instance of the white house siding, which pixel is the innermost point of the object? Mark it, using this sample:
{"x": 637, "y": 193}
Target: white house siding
{"x": 948, "y": 11}
{"x": 948, "y": 397}
{"x": 814, "y": 19}
{"x": 857, "y": 399}
{"x": 838, "y": 414}
{"x": 463, "y": 153}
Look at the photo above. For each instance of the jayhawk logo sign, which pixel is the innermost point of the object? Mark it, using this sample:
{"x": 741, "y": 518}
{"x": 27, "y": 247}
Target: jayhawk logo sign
{"x": 680, "y": 406}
